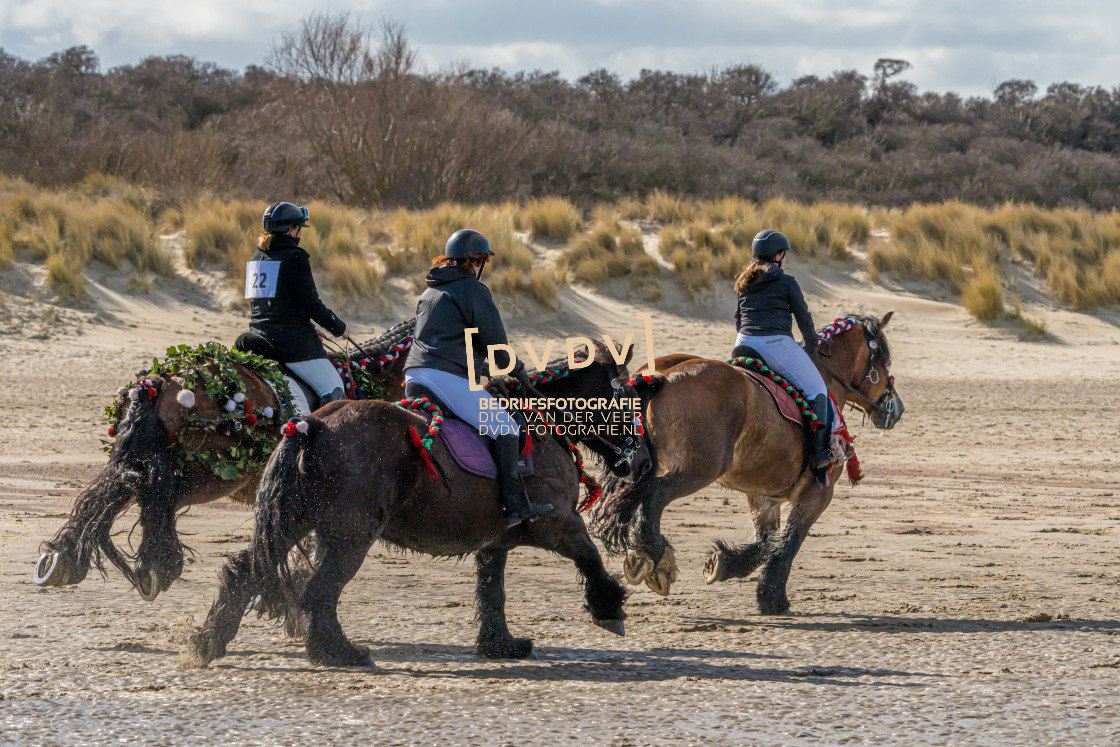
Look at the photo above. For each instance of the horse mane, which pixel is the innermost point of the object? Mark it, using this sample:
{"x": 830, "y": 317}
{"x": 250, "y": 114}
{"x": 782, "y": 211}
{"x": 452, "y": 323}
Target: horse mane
{"x": 870, "y": 324}
{"x": 380, "y": 345}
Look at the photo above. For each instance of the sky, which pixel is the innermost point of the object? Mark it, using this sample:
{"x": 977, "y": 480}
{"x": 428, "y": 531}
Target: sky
{"x": 967, "y": 47}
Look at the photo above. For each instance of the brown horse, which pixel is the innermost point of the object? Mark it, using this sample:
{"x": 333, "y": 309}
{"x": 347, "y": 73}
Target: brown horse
{"x": 354, "y": 478}
{"x": 707, "y": 422}
{"x": 142, "y": 467}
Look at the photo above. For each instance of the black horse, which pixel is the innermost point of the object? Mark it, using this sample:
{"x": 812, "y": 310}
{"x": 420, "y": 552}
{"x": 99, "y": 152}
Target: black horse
{"x": 355, "y": 477}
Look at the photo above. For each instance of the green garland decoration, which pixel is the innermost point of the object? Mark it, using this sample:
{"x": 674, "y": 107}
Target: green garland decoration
{"x": 192, "y": 365}
{"x": 757, "y": 365}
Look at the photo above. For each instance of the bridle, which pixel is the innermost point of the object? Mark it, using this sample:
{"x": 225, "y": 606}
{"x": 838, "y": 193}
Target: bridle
{"x": 630, "y": 447}
{"x": 884, "y": 406}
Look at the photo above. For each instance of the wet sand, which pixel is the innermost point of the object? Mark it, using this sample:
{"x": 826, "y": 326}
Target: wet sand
{"x": 965, "y": 593}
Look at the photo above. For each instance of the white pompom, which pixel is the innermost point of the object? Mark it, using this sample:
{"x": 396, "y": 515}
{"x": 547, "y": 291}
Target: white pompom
{"x": 186, "y": 398}
{"x": 267, "y": 412}
{"x": 230, "y": 405}
{"x": 134, "y": 394}
{"x": 239, "y": 397}
{"x": 121, "y": 392}
{"x": 301, "y": 426}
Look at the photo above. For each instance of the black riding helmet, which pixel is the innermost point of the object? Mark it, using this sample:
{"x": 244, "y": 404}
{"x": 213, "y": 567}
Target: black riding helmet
{"x": 769, "y": 244}
{"x": 280, "y": 216}
{"x": 464, "y": 242}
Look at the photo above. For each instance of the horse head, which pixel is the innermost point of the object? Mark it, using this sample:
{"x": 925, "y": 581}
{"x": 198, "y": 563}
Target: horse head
{"x": 862, "y": 361}
{"x": 617, "y": 440}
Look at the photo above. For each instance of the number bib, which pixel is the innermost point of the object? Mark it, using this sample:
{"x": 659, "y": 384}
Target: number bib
{"x": 260, "y": 279}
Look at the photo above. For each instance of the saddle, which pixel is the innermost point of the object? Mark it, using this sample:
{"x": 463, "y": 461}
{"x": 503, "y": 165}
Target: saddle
{"x": 786, "y": 405}
{"x": 470, "y": 449}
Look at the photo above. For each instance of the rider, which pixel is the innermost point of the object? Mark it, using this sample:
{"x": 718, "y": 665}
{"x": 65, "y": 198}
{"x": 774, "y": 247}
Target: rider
{"x": 768, "y": 297}
{"x": 284, "y": 301}
{"x": 455, "y": 300}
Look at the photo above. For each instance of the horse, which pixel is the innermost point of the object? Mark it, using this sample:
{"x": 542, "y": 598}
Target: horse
{"x": 708, "y": 422}
{"x": 151, "y": 465}
{"x": 354, "y": 478}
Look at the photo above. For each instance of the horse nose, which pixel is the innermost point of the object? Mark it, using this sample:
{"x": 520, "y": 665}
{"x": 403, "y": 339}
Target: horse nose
{"x": 641, "y": 467}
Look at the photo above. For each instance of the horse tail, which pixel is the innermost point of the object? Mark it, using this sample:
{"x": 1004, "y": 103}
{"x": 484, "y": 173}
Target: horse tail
{"x": 141, "y": 468}
{"x": 282, "y": 515}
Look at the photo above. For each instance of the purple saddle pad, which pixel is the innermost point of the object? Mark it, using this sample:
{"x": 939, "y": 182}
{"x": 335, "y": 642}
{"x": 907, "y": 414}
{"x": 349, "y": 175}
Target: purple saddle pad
{"x": 469, "y": 452}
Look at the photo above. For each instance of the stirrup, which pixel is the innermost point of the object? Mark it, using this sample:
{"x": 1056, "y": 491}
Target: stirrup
{"x": 535, "y": 512}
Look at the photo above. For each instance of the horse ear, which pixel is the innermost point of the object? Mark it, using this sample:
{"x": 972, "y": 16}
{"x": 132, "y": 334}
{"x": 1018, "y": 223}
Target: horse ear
{"x": 886, "y": 319}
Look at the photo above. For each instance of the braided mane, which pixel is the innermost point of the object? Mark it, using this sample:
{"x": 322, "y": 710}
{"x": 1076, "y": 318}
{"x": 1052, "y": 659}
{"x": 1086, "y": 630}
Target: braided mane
{"x": 871, "y": 326}
{"x": 386, "y": 340}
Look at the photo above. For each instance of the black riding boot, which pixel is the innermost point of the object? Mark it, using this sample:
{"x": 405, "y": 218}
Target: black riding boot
{"x": 822, "y": 436}
{"x": 515, "y": 501}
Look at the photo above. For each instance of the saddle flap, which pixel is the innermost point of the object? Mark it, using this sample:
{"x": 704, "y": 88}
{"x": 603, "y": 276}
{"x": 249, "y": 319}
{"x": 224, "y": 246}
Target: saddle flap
{"x": 786, "y": 404}
{"x": 468, "y": 451}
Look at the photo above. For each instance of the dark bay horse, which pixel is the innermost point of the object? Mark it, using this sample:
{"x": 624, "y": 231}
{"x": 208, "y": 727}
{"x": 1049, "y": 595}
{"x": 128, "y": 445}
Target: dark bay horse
{"x": 354, "y": 477}
{"x": 706, "y": 422}
{"x": 142, "y": 468}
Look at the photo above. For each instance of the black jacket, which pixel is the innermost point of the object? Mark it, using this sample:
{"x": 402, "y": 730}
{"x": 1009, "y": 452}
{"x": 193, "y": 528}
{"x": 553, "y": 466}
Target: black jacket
{"x": 766, "y": 308}
{"x": 453, "y": 302}
{"x": 285, "y": 318}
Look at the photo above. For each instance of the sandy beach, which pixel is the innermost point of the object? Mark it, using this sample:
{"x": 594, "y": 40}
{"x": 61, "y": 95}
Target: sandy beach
{"x": 964, "y": 593}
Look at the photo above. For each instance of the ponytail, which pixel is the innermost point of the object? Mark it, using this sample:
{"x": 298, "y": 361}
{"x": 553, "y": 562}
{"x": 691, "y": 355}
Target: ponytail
{"x": 264, "y": 241}
{"x": 750, "y": 273}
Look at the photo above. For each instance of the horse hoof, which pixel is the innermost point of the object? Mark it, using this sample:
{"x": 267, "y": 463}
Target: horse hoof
{"x": 715, "y": 569}
{"x": 659, "y": 582}
{"x": 152, "y": 584}
{"x": 50, "y": 570}
{"x": 616, "y": 626}
{"x": 636, "y": 568}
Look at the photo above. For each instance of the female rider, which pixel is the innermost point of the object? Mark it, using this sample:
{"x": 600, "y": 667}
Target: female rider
{"x": 284, "y": 301}
{"x": 768, "y": 297}
{"x": 455, "y": 300}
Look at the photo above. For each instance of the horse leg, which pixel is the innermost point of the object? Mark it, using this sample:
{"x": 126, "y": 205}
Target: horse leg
{"x": 235, "y": 588}
{"x": 305, "y": 560}
{"x": 808, "y": 505}
{"x": 603, "y": 594}
{"x": 326, "y": 642}
{"x": 67, "y": 557}
{"x": 494, "y": 638}
{"x": 726, "y": 562}
{"x": 651, "y": 559}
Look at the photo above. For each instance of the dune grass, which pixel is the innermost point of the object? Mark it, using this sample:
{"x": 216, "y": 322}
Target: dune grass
{"x": 1076, "y": 252}
{"x": 65, "y": 277}
{"x": 96, "y": 221}
{"x": 103, "y": 220}
{"x": 354, "y": 277}
{"x": 608, "y": 250}
{"x": 551, "y": 218}
{"x": 982, "y": 294}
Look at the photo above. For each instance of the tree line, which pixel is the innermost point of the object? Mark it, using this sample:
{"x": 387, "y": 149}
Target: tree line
{"x": 341, "y": 111}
